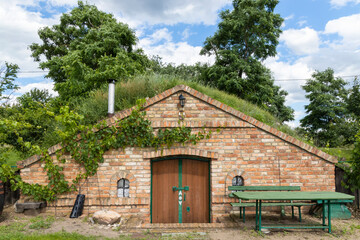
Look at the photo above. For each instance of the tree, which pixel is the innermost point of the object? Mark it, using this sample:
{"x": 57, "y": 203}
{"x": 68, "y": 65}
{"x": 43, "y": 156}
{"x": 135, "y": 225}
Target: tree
{"x": 86, "y": 49}
{"x": 31, "y": 120}
{"x": 353, "y": 170}
{"x": 7, "y": 77}
{"x": 353, "y": 101}
{"x": 250, "y": 31}
{"x": 327, "y": 121}
{"x": 35, "y": 95}
{"x": 187, "y": 72}
{"x": 246, "y": 36}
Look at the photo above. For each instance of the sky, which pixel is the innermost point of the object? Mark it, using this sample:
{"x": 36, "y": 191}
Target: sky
{"x": 317, "y": 34}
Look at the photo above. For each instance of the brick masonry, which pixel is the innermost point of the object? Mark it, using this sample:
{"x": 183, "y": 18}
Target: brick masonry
{"x": 244, "y": 147}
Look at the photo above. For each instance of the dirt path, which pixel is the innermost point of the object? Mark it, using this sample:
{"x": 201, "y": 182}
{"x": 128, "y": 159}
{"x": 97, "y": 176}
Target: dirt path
{"x": 343, "y": 229}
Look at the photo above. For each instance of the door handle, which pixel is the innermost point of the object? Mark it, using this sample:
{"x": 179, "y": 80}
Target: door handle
{"x": 186, "y": 188}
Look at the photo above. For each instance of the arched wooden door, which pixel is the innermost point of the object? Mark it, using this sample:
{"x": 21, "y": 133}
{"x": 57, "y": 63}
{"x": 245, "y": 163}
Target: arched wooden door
{"x": 180, "y": 191}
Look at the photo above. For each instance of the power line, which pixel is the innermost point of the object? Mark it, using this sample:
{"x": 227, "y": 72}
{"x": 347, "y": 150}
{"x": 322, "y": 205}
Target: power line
{"x": 35, "y": 71}
{"x": 301, "y": 79}
{"x": 276, "y": 80}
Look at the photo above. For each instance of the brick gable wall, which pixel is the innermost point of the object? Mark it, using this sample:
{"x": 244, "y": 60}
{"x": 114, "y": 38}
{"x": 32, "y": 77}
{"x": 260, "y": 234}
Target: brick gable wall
{"x": 261, "y": 155}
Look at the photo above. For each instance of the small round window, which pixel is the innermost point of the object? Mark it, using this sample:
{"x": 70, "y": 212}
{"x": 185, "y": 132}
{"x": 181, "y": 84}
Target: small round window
{"x": 123, "y": 188}
{"x": 238, "y": 181}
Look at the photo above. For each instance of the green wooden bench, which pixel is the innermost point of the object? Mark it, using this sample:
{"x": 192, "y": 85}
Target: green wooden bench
{"x": 243, "y": 205}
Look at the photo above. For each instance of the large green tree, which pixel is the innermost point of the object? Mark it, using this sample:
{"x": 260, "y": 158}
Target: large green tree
{"x": 250, "y": 31}
{"x": 247, "y": 35}
{"x": 8, "y": 74}
{"x": 86, "y": 49}
{"x": 327, "y": 123}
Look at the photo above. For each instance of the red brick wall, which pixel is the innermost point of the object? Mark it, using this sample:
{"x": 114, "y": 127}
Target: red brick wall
{"x": 240, "y": 148}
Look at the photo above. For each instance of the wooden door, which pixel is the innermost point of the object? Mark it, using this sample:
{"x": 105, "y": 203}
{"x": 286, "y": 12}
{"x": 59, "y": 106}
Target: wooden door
{"x": 164, "y": 200}
{"x": 195, "y": 207}
{"x": 180, "y": 205}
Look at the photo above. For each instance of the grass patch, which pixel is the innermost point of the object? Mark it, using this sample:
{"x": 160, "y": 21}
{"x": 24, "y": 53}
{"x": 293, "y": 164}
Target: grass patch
{"x": 50, "y": 236}
{"x": 14, "y": 227}
{"x": 41, "y": 223}
{"x": 341, "y": 152}
{"x": 10, "y": 155}
{"x": 18, "y": 231}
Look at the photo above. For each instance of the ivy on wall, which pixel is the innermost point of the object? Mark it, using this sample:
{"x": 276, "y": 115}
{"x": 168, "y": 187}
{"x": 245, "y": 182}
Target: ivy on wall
{"x": 86, "y": 144}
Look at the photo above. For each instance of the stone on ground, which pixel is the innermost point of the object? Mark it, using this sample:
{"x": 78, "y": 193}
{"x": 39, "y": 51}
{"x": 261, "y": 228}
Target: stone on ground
{"x": 106, "y": 217}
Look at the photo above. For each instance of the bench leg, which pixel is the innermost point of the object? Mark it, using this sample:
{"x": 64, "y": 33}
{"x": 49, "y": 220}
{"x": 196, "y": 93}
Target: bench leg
{"x": 329, "y": 216}
{"x": 299, "y": 207}
{"x": 260, "y": 215}
{"x": 292, "y": 212}
{"x": 244, "y": 215}
{"x": 323, "y": 212}
{"x": 256, "y": 215}
{"x": 240, "y": 212}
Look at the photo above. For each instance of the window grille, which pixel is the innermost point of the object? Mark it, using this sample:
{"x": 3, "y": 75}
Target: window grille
{"x": 238, "y": 181}
{"x": 123, "y": 188}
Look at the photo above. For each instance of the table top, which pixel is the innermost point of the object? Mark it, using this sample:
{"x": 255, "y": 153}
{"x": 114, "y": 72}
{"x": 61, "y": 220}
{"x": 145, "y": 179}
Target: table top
{"x": 281, "y": 195}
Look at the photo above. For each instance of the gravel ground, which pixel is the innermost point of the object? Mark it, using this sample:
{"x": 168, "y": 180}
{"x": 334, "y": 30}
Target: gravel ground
{"x": 343, "y": 229}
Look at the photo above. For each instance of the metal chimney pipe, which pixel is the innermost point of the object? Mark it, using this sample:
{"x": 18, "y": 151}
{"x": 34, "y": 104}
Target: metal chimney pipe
{"x": 111, "y": 97}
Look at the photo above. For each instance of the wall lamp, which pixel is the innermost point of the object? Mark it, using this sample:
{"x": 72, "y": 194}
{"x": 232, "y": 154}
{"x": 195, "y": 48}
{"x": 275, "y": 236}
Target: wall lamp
{"x": 182, "y": 100}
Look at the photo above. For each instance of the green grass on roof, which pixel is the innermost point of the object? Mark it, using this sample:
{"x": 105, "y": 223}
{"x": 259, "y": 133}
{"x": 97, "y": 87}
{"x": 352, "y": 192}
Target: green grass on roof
{"x": 126, "y": 93}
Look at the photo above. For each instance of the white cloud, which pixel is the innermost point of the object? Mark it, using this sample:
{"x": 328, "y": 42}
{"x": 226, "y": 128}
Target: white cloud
{"x": 301, "y": 41}
{"x": 178, "y": 53}
{"x": 160, "y": 35}
{"x": 342, "y": 3}
{"x": 186, "y": 33}
{"x": 344, "y": 62}
{"x": 139, "y": 12}
{"x": 302, "y": 23}
{"x": 62, "y": 2}
{"x": 288, "y": 75}
{"x": 348, "y": 28}
{"x": 18, "y": 29}
{"x": 297, "y": 115}
{"x": 341, "y": 55}
{"x": 291, "y": 16}
{"x": 48, "y": 85}
{"x": 160, "y": 43}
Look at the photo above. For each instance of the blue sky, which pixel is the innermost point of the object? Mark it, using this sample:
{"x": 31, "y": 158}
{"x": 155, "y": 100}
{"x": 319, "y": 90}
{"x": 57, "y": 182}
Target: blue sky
{"x": 317, "y": 34}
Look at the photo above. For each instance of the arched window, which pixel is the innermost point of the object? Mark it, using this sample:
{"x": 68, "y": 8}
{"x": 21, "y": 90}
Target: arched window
{"x": 238, "y": 181}
{"x": 123, "y": 188}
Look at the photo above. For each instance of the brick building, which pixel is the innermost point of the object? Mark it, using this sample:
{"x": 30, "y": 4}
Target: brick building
{"x": 189, "y": 183}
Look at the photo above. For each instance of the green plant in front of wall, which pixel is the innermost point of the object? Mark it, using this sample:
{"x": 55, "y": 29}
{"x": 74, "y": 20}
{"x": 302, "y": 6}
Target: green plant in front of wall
{"x": 86, "y": 144}
{"x": 352, "y": 169}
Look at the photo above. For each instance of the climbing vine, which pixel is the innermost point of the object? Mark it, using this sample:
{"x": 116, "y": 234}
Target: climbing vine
{"x": 86, "y": 144}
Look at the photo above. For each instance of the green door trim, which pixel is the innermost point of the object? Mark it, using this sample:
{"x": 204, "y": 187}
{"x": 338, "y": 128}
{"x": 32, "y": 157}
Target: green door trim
{"x": 180, "y": 191}
{"x": 180, "y": 158}
{"x": 151, "y": 189}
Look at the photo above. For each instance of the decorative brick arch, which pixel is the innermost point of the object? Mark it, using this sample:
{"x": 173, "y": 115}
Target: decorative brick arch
{"x": 119, "y": 175}
{"x": 180, "y": 151}
{"x": 231, "y": 175}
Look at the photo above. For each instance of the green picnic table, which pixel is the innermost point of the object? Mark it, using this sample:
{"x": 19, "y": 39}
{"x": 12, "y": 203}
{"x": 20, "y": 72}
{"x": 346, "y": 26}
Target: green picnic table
{"x": 325, "y": 197}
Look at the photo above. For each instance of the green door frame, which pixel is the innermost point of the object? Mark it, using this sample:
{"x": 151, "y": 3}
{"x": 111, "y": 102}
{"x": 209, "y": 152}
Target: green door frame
{"x": 180, "y": 158}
